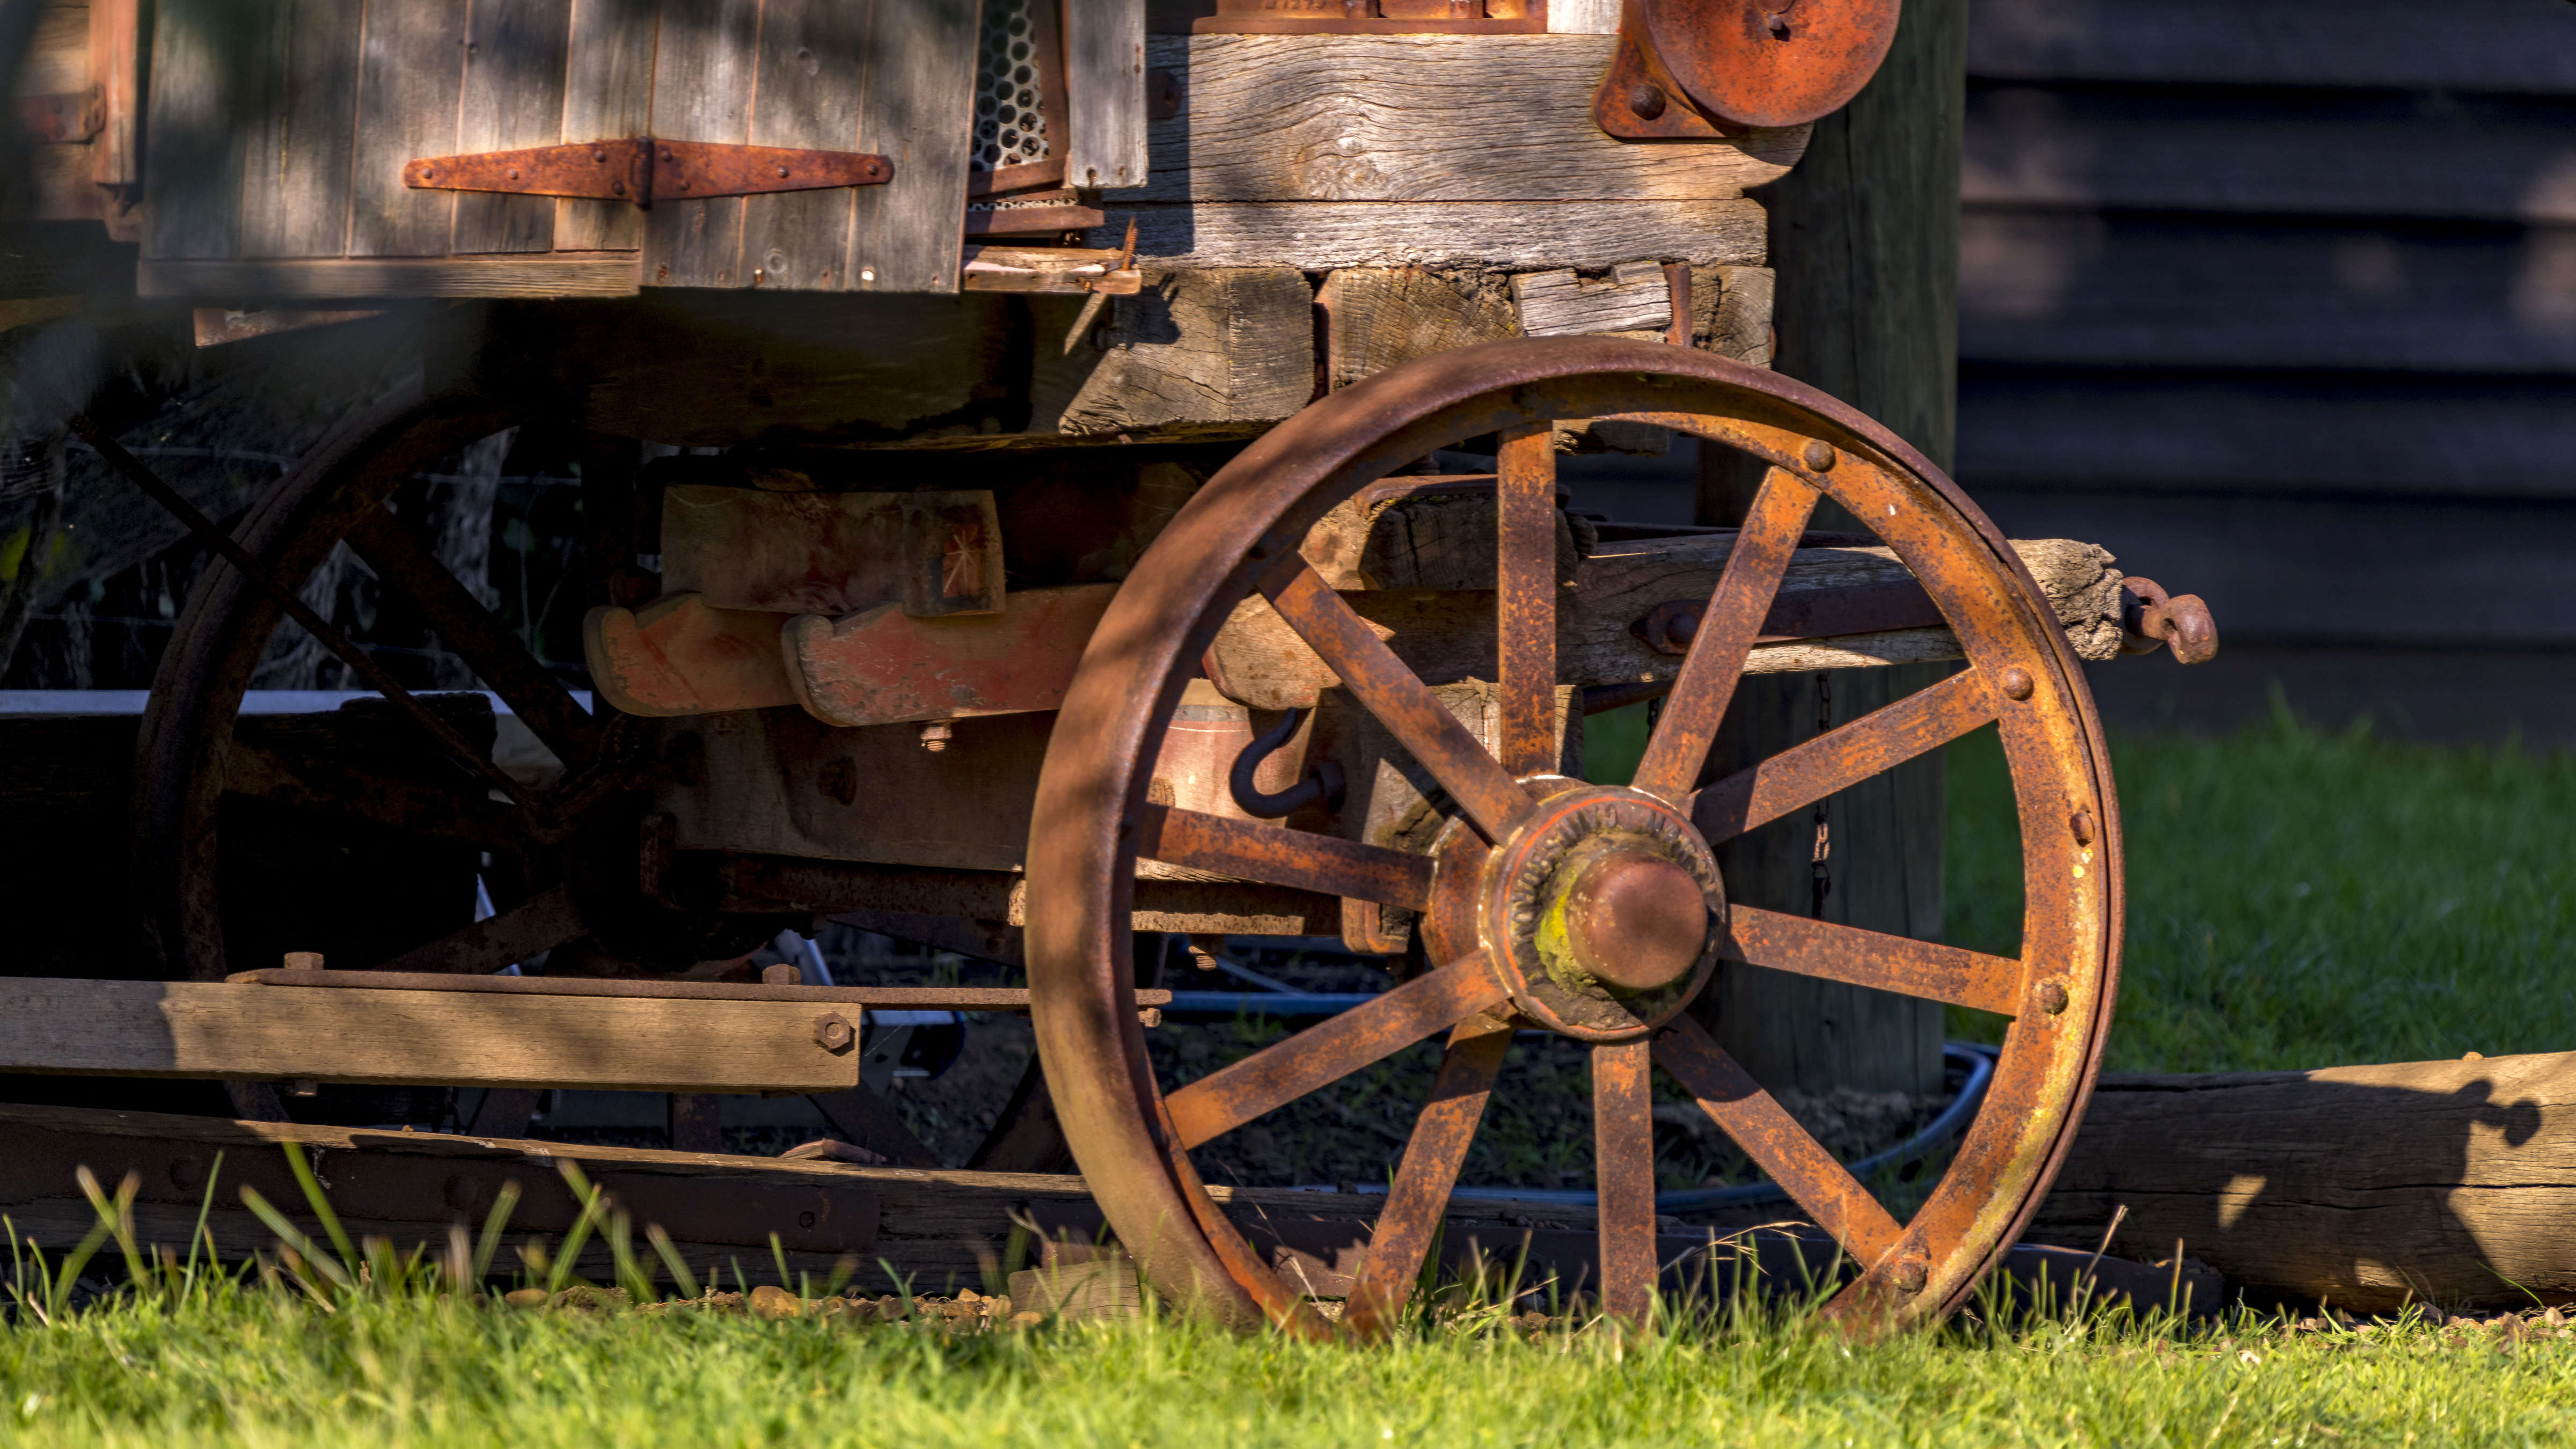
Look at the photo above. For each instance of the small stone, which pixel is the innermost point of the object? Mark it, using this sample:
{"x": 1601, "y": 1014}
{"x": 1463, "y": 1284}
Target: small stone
{"x": 968, "y": 1295}
{"x": 725, "y": 1302}
{"x": 583, "y": 1298}
{"x": 2554, "y": 1318}
{"x": 1027, "y": 1319}
{"x": 526, "y": 1297}
{"x": 771, "y": 1301}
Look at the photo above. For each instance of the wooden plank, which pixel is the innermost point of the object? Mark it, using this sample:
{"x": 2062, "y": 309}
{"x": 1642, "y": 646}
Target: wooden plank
{"x": 608, "y": 93}
{"x": 1583, "y": 17}
{"x": 516, "y": 54}
{"x": 1635, "y": 297}
{"x": 1382, "y": 317}
{"x": 2373, "y": 1186}
{"x": 1421, "y": 118}
{"x": 1446, "y": 636}
{"x": 799, "y": 240}
{"x": 210, "y": 62}
{"x": 1104, "y": 66}
{"x": 440, "y": 1038}
{"x": 1323, "y": 235}
{"x": 57, "y": 60}
{"x": 412, "y": 73}
{"x": 1739, "y": 325}
{"x": 2271, "y": 153}
{"x": 2463, "y": 437}
{"x": 567, "y": 275}
{"x": 703, "y": 73}
{"x": 2518, "y": 46}
{"x": 1231, "y": 349}
{"x": 2277, "y": 568}
{"x": 918, "y": 112}
{"x": 2133, "y": 291}
{"x": 116, "y": 67}
{"x": 296, "y": 176}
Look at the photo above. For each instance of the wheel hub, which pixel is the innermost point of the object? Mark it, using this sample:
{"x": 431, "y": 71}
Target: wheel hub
{"x": 1603, "y": 910}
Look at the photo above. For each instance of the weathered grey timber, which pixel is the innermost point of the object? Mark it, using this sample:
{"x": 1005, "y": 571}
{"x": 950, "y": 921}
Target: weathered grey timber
{"x": 1233, "y": 349}
{"x": 2445, "y": 1183}
{"x": 905, "y": 235}
{"x": 1380, "y": 317}
{"x": 513, "y": 97}
{"x": 297, "y": 166}
{"x": 1320, "y": 235}
{"x": 410, "y": 81}
{"x": 608, "y": 93}
{"x": 1420, "y": 118}
{"x": 1104, "y": 59}
{"x": 1635, "y": 297}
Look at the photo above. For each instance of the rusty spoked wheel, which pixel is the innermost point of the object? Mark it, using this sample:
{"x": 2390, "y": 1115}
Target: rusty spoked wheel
{"x": 1592, "y": 911}
{"x": 562, "y": 853}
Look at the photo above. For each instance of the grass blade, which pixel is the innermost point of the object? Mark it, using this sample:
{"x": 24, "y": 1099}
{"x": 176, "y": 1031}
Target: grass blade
{"x": 495, "y": 1222}
{"x": 670, "y": 1256}
{"x": 292, "y": 1238}
{"x": 321, "y": 1205}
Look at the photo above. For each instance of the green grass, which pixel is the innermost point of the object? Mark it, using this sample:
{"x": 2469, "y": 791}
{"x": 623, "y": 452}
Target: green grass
{"x": 2295, "y": 899}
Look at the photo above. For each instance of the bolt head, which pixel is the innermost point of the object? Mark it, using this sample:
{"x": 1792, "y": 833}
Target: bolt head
{"x": 302, "y": 961}
{"x": 1636, "y": 921}
{"x": 1646, "y": 100}
{"x": 832, "y": 1032}
{"x": 1911, "y": 1275}
{"x": 2052, "y": 998}
{"x": 2080, "y": 824}
{"x": 1820, "y": 455}
{"x": 2016, "y": 682}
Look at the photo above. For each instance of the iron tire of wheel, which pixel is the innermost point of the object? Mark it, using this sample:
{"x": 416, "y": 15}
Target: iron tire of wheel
{"x": 1241, "y": 534}
{"x": 186, "y": 735}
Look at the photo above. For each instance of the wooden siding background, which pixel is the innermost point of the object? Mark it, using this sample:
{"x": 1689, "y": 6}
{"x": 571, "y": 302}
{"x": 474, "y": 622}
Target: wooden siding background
{"x": 2277, "y": 299}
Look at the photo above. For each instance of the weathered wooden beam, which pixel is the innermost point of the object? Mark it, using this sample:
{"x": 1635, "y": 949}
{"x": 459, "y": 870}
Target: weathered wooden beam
{"x": 2446, "y": 1183}
{"x": 614, "y": 274}
{"x": 1446, "y": 635}
{"x": 1420, "y": 118}
{"x": 1227, "y": 351}
{"x": 69, "y": 1027}
{"x": 1321, "y": 235}
{"x": 1635, "y": 297}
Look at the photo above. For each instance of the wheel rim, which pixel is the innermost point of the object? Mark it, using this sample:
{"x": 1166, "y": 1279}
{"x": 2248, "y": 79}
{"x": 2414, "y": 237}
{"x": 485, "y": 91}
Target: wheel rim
{"x": 1093, "y": 820}
{"x": 186, "y": 752}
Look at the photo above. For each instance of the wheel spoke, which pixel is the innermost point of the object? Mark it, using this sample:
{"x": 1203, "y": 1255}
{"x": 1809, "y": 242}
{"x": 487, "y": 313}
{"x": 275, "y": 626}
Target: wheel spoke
{"x": 1525, "y": 599}
{"x": 1275, "y": 1076}
{"x": 339, "y": 787}
{"x": 1432, "y": 1157}
{"x": 1298, "y": 859}
{"x": 1868, "y": 958}
{"x": 1623, "y": 1145}
{"x": 540, "y": 923}
{"x": 1775, "y": 1142}
{"x": 1401, "y": 702}
{"x": 1706, "y": 683}
{"x": 1840, "y": 758}
{"x": 405, "y": 564}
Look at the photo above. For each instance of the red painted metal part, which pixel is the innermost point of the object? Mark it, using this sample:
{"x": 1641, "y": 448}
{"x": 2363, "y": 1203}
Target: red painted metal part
{"x": 1697, "y": 68}
{"x": 1496, "y": 868}
{"x": 639, "y": 169}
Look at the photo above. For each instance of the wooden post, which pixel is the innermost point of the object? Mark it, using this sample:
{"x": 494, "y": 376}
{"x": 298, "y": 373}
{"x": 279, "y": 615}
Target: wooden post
{"x": 1865, "y": 243}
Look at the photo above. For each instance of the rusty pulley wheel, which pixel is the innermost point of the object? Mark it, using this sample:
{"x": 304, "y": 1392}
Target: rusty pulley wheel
{"x": 1590, "y": 911}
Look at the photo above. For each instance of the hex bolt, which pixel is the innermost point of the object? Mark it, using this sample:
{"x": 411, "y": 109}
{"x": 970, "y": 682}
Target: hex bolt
{"x": 780, "y": 973}
{"x": 2016, "y": 683}
{"x": 1820, "y": 455}
{"x": 303, "y": 961}
{"x": 2081, "y": 824}
{"x": 1911, "y": 1275}
{"x": 1646, "y": 100}
{"x": 936, "y": 735}
{"x": 2052, "y": 998}
{"x": 1150, "y": 1015}
{"x": 832, "y": 1032}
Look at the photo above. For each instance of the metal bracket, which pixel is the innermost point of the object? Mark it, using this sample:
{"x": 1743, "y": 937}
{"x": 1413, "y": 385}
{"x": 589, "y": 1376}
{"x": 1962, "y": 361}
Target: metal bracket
{"x": 1702, "y": 69}
{"x": 638, "y": 169}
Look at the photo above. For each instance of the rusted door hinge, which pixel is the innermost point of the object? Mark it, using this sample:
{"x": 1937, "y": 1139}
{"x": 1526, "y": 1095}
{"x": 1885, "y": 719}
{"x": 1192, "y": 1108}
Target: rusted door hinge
{"x": 639, "y": 169}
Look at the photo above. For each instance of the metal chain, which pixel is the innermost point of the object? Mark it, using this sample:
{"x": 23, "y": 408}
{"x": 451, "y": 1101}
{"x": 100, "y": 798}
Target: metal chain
{"x": 1820, "y": 870}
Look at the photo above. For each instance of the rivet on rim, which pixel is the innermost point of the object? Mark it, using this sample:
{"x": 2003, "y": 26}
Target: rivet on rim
{"x": 2081, "y": 824}
{"x": 2016, "y": 682}
{"x": 1911, "y": 1275}
{"x": 2052, "y": 998}
{"x": 1820, "y": 455}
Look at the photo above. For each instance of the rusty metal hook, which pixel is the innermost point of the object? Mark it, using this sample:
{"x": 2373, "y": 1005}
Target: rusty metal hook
{"x": 1323, "y": 781}
{"x": 2149, "y": 618}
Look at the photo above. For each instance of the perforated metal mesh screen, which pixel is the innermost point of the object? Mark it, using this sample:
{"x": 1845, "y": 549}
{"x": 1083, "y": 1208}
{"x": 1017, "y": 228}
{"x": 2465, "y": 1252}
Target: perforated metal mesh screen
{"x": 1010, "y": 119}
